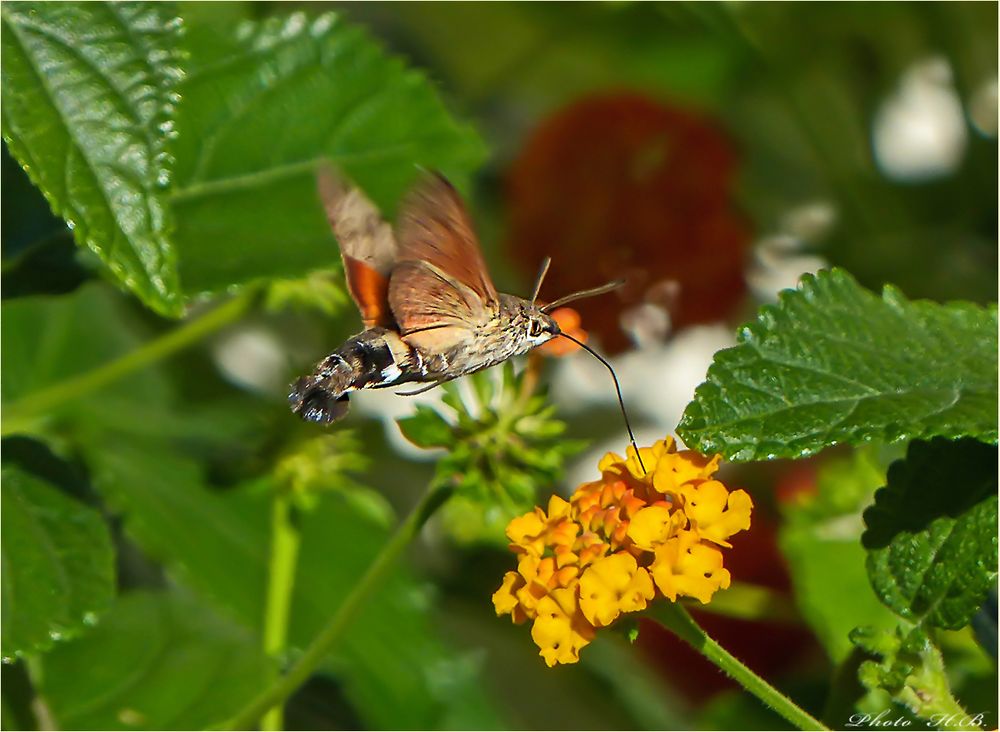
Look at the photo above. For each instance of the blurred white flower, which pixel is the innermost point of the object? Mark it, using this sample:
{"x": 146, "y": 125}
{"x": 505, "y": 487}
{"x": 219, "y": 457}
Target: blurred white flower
{"x": 657, "y": 382}
{"x": 919, "y": 131}
{"x": 773, "y": 271}
{"x": 252, "y": 357}
{"x": 809, "y": 222}
{"x": 646, "y": 324}
{"x": 983, "y": 108}
{"x": 778, "y": 265}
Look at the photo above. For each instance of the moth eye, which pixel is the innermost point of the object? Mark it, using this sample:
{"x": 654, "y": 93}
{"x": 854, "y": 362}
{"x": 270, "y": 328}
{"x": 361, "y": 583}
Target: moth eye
{"x": 534, "y": 328}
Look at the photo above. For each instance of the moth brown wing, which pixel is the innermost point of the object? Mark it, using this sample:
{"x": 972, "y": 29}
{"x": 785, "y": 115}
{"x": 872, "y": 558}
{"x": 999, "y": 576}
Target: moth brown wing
{"x": 367, "y": 245}
{"x": 423, "y": 298}
{"x": 434, "y": 227}
{"x": 438, "y": 340}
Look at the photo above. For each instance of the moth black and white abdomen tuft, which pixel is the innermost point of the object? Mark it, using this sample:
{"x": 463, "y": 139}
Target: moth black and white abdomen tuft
{"x": 314, "y": 402}
{"x": 365, "y": 361}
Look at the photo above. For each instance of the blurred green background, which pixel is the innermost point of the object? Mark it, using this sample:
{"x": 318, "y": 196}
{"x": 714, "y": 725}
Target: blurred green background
{"x": 711, "y": 153}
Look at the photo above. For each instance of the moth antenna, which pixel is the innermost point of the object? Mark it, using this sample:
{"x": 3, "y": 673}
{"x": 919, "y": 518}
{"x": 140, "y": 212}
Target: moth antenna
{"x": 541, "y": 276}
{"x": 582, "y": 294}
{"x": 618, "y": 389}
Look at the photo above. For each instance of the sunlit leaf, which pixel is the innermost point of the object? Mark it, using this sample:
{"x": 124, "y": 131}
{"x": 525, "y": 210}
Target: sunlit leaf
{"x": 833, "y": 363}
{"x": 260, "y": 108}
{"x": 58, "y": 564}
{"x": 88, "y": 90}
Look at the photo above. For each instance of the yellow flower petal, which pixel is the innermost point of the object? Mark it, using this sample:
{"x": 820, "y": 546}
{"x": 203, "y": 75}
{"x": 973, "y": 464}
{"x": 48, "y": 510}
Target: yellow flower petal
{"x": 715, "y": 513}
{"x": 532, "y": 532}
{"x": 615, "y": 464}
{"x": 528, "y": 567}
{"x": 613, "y": 585}
{"x": 650, "y": 458}
{"x": 685, "y": 566}
{"x": 526, "y": 531}
{"x": 610, "y": 463}
{"x": 505, "y": 600}
{"x": 675, "y": 470}
{"x": 653, "y": 525}
{"x": 592, "y": 549}
{"x": 558, "y": 507}
{"x": 536, "y": 574}
{"x": 559, "y": 631}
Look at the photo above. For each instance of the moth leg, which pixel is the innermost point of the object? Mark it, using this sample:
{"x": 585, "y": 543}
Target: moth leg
{"x": 422, "y": 389}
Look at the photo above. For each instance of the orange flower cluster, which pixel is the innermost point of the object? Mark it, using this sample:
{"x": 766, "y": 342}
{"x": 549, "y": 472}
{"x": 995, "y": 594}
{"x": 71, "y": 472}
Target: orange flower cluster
{"x": 618, "y": 541}
{"x": 568, "y": 321}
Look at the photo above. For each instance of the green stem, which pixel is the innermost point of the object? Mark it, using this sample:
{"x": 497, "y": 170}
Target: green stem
{"x": 529, "y": 382}
{"x": 285, "y": 540}
{"x": 19, "y": 414}
{"x": 675, "y": 618}
{"x": 323, "y": 643}
{"x": 926, "y": 689}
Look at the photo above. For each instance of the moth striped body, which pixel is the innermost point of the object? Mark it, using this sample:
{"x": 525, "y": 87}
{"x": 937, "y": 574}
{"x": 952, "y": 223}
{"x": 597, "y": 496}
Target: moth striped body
{"x": 372, "y": 359}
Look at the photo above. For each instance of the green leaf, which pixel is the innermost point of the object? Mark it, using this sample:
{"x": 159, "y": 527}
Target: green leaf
{"x": 47, "y": 339}
{"x": 910, "y": 670}
{"x": 820, "y": 542}
{"x": 217, "y": 543}
{"x": 87, "y": 96}
{"x": 321, "y": 291}
{"x": 58, "y": 564}
{"x": 426, "y": 428}
{"x": 260, "y": 108}
{"x": 833, "y": 363}
{"x": 931, "y": 537}
{"x": 158, "y": 660}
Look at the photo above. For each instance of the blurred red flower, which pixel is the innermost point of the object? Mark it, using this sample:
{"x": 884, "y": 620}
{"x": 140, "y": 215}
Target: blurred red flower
{"x": 620, "y": 185}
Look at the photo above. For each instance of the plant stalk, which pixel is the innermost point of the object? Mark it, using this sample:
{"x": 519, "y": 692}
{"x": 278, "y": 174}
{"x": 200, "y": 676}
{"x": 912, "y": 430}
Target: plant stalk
{"x": 676, "y": 619}
{"x": 529, "y": 381}
{"x": 285, "y": 541}
{"x": 323, "y": 643}
{"x": 31, "y": 406}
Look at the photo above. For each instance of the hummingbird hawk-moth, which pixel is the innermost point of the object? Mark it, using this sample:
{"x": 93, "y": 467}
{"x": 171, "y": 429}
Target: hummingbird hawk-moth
{"x": 429, "y": 307}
